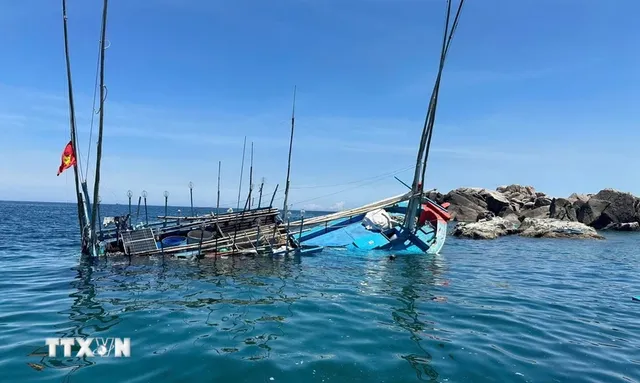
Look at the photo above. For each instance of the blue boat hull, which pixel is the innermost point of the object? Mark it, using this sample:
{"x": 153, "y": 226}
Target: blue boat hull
{"x": 351, "y": 234}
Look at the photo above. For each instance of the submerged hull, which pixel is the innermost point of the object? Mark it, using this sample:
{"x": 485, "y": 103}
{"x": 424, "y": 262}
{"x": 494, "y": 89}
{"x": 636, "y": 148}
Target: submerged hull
{"x": 356, "y": 232}
{"x": 422, "y": 241}
{"x": 357, "y": 237}
{"x": 258, "y": 231}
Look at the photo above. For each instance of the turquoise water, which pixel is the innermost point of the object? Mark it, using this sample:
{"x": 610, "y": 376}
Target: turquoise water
{"x": 509, "y": 310}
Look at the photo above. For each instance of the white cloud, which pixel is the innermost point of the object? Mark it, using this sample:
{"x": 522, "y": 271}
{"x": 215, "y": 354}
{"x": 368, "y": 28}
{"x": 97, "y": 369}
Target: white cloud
{"x": 157, "y": 149}
{"x": 140, "y": 124}
{"x": 173, "y": 157}
{"x": 312, "y": 207}
{"x": 337, "y": 206}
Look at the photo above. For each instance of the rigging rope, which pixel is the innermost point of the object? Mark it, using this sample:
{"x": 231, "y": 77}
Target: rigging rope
{"x": 394, "y": 172}
{"x": 96, "y": 186}
{"x": 353, "y": 187}
{"x": 367, "y": 181}
{"x": 355, "y": 184}
{"x": 93, "y": 108}
{"x": 355, "y": 211}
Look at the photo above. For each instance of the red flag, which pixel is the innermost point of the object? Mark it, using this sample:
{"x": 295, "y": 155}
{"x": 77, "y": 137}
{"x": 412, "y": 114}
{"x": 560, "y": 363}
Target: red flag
{"x": 68, "y": 159}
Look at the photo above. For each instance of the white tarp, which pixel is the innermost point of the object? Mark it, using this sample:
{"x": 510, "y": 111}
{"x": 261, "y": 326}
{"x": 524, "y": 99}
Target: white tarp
{"x": 377, "y": 220}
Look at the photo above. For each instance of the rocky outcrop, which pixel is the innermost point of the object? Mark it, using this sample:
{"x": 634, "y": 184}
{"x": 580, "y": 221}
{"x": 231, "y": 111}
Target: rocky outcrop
{"x": 607, "y": 209}
{"x": 530, "y": 227}
{"x": 485, "y": 229}
{"x": 622, "y": 207}
{"x": 467, "y": 204}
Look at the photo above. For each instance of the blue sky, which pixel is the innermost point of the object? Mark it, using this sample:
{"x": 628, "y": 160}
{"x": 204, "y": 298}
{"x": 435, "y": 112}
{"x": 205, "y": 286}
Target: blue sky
{"x": 543, "y": 93}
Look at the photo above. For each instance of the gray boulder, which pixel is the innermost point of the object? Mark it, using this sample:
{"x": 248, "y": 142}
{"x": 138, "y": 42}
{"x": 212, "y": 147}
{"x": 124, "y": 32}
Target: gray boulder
{"x": 485, "y": 229}
{"x": 555, "y": 228}
{"x": 579, "y": 197}
{"x": 463, "y": 213}
{"x": 485, "y": 215}
{"x": 542, "y": 201}
{"x": 436, "y": 196}
{"x": 529, "y": 227}
{"x": 590, "y": 213}
{"x": 623, "y": 207}
{"x": 466, "y": 204}
{"x": 609, "y": 207}
{"x": 538, "y": 212}
{"x": 518, "y": 192}
{"x": 496, "y": 203}
{"x": 514, "y": 218}
{"x": 562, "y": 209}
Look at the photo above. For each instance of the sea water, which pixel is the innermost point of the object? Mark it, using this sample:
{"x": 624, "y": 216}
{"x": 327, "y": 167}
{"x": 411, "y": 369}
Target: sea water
{"x": 508, "y": 310}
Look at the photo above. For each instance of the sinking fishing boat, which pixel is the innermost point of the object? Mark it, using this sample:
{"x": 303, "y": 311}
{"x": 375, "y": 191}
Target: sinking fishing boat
{"x": 248, "y": 231}
{"x": 380, "y": 226}
{"x": 409, "y": 222}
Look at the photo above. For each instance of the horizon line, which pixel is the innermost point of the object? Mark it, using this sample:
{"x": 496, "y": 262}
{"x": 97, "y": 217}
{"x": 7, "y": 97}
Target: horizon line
{"x": 150, "y": 205}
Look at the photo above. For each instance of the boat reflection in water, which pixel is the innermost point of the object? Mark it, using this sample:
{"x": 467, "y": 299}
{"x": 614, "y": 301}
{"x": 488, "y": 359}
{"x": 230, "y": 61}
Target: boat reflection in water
{"x": 242, "y": 309}
{"x": 410, "y": 281}
{"x": 87, "y": 319}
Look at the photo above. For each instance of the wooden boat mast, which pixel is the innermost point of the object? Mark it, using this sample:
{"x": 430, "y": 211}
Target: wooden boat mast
{"x": 244, "y": 147}
{"x": 433, "y": 103}
{"x": 251, "y": 174}
{"x": 83, "y": 216}
{"x": 286, "y": 187}
{"x": 96, "y": 185}
{"x": 417, "y": 188}
{"x": 218, "y": 197}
